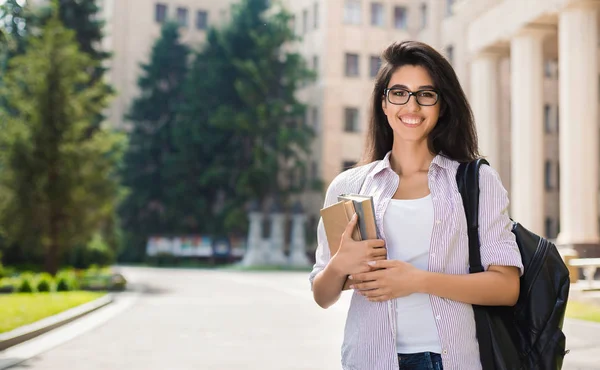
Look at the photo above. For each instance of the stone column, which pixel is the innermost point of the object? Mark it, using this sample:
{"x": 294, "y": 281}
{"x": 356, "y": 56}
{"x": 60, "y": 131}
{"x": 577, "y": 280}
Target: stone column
{"x": 276, "y": 256}
{"x": 527, "y": 128}
{"x": 254, "y": 255}
{"x": 578, "y": 138}
{"x": 298, "y": 243}
{"x": 485, "y": 96}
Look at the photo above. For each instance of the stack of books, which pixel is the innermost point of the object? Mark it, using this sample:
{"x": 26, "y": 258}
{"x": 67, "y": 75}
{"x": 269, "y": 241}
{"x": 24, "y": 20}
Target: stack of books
{"x": 337, "y": 216}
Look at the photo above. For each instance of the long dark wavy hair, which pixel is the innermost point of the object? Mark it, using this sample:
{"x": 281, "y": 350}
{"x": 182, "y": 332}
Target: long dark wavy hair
{"x": 454, "y": 134}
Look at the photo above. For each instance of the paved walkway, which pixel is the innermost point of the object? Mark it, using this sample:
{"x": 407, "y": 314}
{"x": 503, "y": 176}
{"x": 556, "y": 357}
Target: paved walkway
{"x": 211, "y": 320}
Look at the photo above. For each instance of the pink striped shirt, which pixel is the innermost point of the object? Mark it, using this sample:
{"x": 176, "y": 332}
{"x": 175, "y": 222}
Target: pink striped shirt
{"x": 370, "y": 332}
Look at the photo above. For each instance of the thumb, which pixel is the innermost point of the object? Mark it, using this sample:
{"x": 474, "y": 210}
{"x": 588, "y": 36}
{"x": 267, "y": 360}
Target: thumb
{"x": 350, "y": 227}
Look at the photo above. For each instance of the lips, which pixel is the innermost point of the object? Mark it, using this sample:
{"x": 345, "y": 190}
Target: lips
{"x": 411, "y": 121}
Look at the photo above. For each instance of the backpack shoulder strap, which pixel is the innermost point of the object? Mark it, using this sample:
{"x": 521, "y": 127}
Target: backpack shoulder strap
{"x": 467, "y": 180}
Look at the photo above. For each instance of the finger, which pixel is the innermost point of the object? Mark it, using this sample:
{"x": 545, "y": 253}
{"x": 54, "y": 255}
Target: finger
{"x": 373, "y": 293}
{"x": 382, "y": 264}
{"x": 350, "y": 227}
{"x": 365, "y": 276}
{"x": 376, "y": 243}
{"x": 367, "y": 285}
{"x": 378, "y": 252}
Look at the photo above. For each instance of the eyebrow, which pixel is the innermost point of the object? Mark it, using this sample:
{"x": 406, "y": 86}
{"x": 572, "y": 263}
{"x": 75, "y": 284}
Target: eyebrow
{"x": 424, "y": 87}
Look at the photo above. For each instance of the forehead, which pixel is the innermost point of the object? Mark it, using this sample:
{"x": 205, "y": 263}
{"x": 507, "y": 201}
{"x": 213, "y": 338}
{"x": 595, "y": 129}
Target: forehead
{"x": 410, "y": 76}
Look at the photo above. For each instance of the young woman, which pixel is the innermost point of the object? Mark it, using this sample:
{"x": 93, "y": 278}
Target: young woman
{"x": 412, "y": 299}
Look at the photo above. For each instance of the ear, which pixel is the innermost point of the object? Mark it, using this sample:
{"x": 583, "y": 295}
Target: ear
{"x": 384, "y": 104}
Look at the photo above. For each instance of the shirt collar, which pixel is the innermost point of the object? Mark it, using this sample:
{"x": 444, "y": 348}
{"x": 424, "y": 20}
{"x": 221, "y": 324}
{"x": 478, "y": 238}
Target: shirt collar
{"x": 439, "y": 160}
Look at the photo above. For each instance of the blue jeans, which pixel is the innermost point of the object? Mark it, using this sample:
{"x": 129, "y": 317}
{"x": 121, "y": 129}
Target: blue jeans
{"x": 420, "y": 361}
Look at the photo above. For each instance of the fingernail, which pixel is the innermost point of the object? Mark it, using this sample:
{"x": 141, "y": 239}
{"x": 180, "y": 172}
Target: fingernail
{"x": 354, "y": 216}
{"x": 371, "y": 263}
{"x": 351, "y": 287}
{"x": 350, "y": 277}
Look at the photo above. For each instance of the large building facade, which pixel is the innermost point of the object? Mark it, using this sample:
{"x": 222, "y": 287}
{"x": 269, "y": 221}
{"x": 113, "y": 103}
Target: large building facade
{"x": 517, "y": 60}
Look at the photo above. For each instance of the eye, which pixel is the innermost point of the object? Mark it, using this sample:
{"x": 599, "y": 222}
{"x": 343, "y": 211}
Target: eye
{"x": 399, "y": 93}
{"x": 427, "y": 94}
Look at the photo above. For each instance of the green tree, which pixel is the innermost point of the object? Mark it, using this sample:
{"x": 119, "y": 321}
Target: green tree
{"x": 241, "y": 134}
{"x": 83, "y": 17}
{"x": 153, "y": 115}
{"x": 57, "y": 185}
{"x": 13, "y": 22}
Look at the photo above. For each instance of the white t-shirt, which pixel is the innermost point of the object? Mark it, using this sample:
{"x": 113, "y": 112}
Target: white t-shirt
{"x": 407, "y": 225}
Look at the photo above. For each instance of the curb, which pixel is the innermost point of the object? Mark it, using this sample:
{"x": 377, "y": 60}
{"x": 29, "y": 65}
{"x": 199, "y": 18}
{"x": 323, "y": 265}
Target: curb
{"x": 30, "y": 331}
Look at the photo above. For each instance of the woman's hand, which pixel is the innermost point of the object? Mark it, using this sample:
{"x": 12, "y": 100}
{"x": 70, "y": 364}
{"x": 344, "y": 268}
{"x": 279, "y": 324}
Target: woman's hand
{"x": 389, "y": 279}
{"x": 352, "y": 256}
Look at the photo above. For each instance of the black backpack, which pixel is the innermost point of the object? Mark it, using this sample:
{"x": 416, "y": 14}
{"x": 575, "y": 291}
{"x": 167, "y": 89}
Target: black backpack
{"x": 528, "y": 335}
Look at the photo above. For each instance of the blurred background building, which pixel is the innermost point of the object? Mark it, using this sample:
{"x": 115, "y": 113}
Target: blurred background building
{"x": 511, "y": 56}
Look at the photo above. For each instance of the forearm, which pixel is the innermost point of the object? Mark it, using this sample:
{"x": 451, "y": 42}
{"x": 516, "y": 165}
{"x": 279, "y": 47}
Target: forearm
{"x": 327, "y": 286}
{"x": 489, "y": 288}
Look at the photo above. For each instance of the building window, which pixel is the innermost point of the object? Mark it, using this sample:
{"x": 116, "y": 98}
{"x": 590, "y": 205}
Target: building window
{"x": 314, "y": 171}
{"x": 374, "y": 64}
{"x": 293, "y": 24}
{"x": 549, "y": 229}
{"x": 351, "y": 119}
{"x": 315, "y": 63}
{"x": 160, "y": 14}
{"x": 547, "y": 118}
{"x": 352, "y": 65}
{"x": 423, "y": 16}
{"x": 304, "y": 21}
{"x": 314, "y": 113}
{"x": 548, "y": 175}
{"x": 352, "y": 12}
{"x": 400, "y": 18}
{"x": 201, "y": 20}
{"x": 348, "y": 164}
{"x": 449, "y": 4}
{"x": 450, "y": 53}
{"x": 182, "y": 17}
{"x": 316, "y": 16}
{"x": 557, "y": 119}
{"x": 377, "y": 14}
{"x": 547, "y": 68}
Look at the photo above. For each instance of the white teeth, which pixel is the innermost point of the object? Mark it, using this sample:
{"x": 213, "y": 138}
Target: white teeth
{"x": 411, "y": 121}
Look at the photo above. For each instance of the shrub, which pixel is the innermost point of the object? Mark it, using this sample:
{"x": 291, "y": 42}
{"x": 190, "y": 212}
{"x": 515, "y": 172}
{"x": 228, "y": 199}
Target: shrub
{"x": 7, "y": 285}
{"x": 26, "y": 286}
{"x": 117, "y": 282}
{"x": 62, "y": 285}
{"x": 66, "y": 280}
{"x": 45, "y": 282}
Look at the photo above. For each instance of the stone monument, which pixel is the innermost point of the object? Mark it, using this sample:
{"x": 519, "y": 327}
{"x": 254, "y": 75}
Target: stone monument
{"x": 298, "y": 239}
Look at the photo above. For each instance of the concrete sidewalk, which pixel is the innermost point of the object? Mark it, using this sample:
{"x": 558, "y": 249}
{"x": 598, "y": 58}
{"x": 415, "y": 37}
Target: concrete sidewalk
{"x": 218, "y": 320}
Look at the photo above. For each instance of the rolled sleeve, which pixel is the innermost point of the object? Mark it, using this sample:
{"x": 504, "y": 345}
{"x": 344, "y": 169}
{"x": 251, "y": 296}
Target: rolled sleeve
{"x": 322, "y": 254}
{"x": 345, "y": 182}
{"x": 498, "y": 244}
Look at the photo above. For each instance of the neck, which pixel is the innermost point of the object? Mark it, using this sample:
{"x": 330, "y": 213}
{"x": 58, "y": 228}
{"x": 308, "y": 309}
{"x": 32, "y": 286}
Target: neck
{"x": 410, "y": 157}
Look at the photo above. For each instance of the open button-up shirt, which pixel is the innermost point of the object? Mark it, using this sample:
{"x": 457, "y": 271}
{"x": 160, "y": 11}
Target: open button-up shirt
{"x": 369, "y": 337}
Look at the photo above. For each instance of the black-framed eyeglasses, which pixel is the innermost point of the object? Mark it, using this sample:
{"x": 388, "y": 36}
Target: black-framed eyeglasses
{"x": 400, "y": 96}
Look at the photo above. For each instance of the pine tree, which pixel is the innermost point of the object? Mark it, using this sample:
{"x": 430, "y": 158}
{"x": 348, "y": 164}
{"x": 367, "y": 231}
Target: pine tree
{"x": 241, "y": 134}
{"x": 58, "y": 185}
{"x": 82, "y": 16}
{"x": 153, "y": 115}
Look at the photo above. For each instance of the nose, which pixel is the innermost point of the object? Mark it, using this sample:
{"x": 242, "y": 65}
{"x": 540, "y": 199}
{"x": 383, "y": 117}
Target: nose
{"x": 412, "y": 104}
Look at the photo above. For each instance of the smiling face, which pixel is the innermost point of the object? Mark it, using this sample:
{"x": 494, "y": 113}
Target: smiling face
{"x": 411, "y": 122}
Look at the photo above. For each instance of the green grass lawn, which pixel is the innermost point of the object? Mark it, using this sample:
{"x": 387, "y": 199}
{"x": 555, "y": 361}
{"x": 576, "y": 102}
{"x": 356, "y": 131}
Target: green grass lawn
{"x": 583, "y": 311}
{"x": 25, "y": 308}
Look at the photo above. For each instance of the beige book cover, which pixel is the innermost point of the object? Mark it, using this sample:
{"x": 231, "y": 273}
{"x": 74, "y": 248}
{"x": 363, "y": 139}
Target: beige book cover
{"x": 335, "y": 220}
